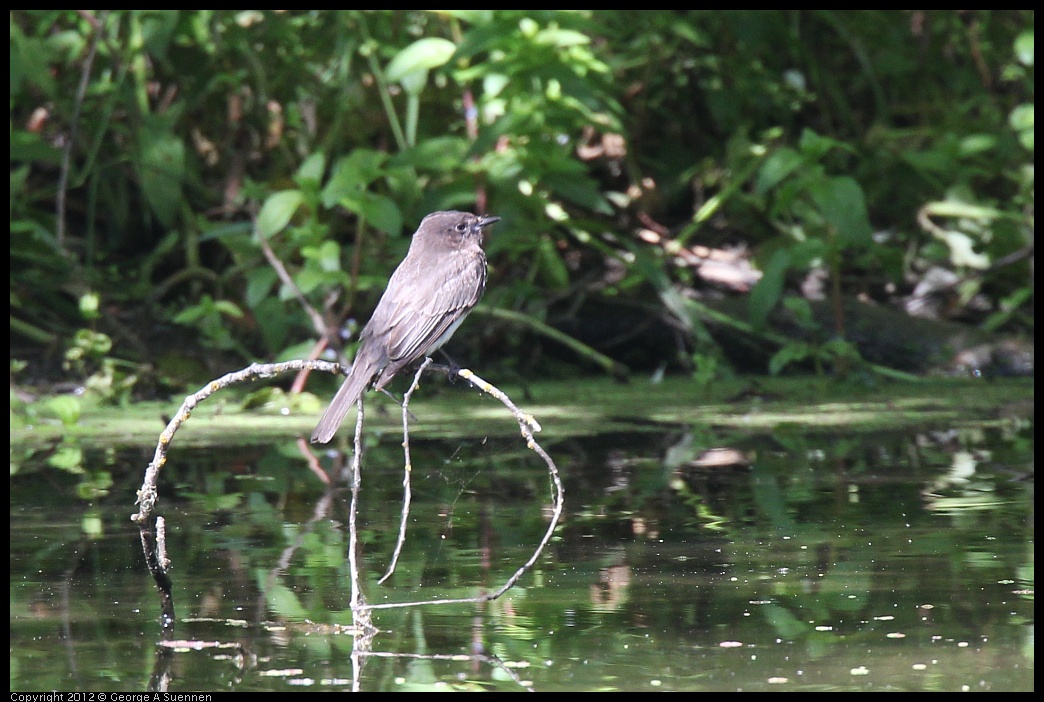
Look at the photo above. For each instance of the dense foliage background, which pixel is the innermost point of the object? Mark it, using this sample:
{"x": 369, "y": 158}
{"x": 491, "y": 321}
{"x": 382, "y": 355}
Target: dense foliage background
{"x": 193, "y": 190}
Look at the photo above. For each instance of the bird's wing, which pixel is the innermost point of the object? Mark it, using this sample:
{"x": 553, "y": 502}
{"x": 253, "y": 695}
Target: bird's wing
{"x": 421, "y": 320}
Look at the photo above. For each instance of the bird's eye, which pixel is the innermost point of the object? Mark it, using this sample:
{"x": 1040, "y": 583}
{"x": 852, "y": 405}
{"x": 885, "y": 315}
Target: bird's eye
{"x": 461, "y": 227}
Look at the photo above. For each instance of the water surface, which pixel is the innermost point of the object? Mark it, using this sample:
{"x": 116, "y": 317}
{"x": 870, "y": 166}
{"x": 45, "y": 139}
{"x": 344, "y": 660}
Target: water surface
{"x": 819, "y": 560}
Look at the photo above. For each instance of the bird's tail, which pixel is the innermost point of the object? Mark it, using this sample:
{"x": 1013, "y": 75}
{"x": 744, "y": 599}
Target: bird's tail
{"x": 363, "y": 370}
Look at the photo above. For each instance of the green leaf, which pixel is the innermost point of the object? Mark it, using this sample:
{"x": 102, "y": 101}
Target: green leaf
{"x": 221, "y": 231}
{"x": 976, "y": 143}
{"x": 768, "y": 290}
{"x": 29, "y": 63}
{"x": 840, "y": 348}
{"x": 194, "y": 313}
{"x": 967, "y": 210}
{"x": 1021, "y": 117}
{"x": 1021, "y": 120}
{"x": 552, "y": 265}
{"x": 840, "y": 200}
{"x": 561, "y": 37}
{"x": 26, "y": 146}
{"x": 413, "y": 83}
{"x": 228, "y": 308}
{"x": 802, "y": 311}
{"x": 777, "y": 167}
{"x": 690, "y": 33}
{"x": 1008, "y": 307}
{"x": 161, "y": 168}
{"x": 929, "y": 161}
{"x": 91, "y": 342}
{"x": 276, "y": 212}
{"x": 815, "y": 147}
{"x": 381, "y": 212}
{"x": 89, "y": 305}
{"x": 797, "y": 351}
{"x": 807, "y": 253}
{"x": 157, "y": 28}
{"x": 493, "y": 83}
{"x": 311, "y": 171}
{"x": 259, "y": 285}
{"x": 580, "y": 190}
{"x": 421, "y": 55}
{"x": 1024, "y": 48}
{"x": 352, "y": 174}
{"x": 306, "y": 280}
{"x": 66, "y": 408}
{"x": 328, "y": 256}
{"x": 443, "y": 154}
{"x": 67, "y": 458}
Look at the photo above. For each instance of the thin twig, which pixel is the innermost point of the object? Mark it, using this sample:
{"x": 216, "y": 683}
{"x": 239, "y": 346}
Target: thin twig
{"x": 286, "y": 279}
{"x": 147, "y": 495}
{"x": 353, "y": 539}
{"x": 360, "y": 615}
{"x": 151, "y": 531}
{"x": 154, "y": 545}
{"x": 407, "y": 471}
{"x": 527, "y": 425}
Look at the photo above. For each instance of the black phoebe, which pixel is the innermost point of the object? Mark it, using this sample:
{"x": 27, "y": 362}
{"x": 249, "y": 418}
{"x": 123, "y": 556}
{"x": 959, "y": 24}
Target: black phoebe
{"x": 428, "y": 296}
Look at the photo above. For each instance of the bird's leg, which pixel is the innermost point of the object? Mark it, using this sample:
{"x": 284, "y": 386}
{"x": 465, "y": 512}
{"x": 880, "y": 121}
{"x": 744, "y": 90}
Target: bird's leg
{"x": 389, "y": 393}
{"x": 452, "y": 370}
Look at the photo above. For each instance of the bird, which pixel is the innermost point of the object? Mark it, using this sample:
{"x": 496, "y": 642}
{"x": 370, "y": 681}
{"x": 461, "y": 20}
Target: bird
{"x": 428, "y": 296}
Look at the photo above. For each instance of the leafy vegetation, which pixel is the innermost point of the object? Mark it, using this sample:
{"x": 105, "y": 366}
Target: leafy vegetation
{"x": 191, "y": 190}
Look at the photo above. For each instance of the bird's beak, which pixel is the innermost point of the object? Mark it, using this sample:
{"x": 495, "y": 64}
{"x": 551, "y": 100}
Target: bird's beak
{"x": 486, "y": 221}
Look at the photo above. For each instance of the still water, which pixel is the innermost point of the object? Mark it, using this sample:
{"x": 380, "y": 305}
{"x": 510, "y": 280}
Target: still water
{"x": 792, "y": 561}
